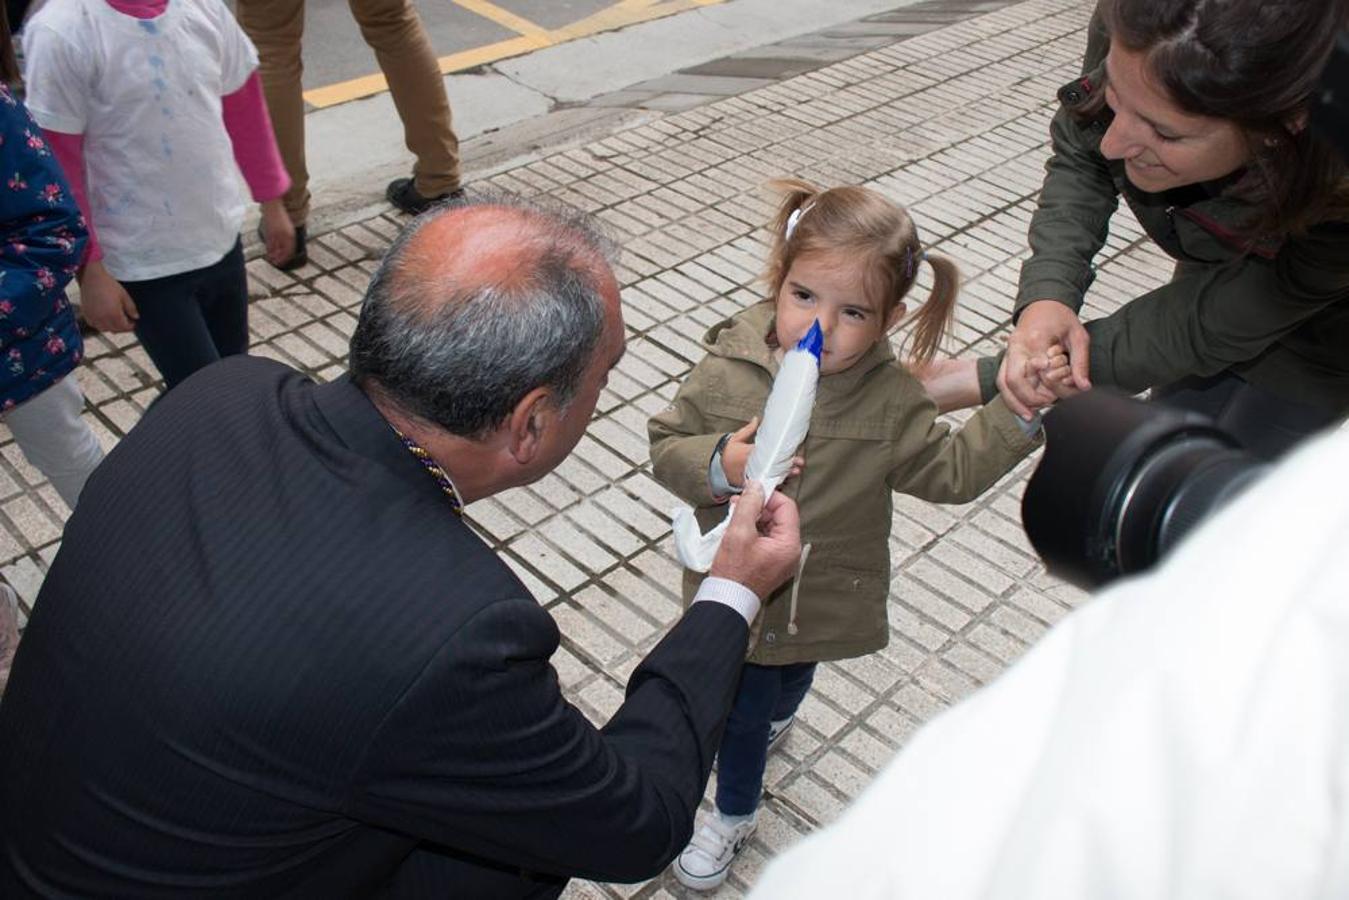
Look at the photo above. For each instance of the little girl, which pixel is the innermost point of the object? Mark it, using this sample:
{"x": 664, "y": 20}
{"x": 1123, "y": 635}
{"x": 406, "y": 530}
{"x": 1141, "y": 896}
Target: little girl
{"x": 845, "y": 257}
{"x": 158, "y": 100}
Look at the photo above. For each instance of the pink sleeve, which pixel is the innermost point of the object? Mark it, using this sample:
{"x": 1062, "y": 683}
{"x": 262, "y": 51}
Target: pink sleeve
{"x": 69, "y": 150}
{"x": 255, "y": 150}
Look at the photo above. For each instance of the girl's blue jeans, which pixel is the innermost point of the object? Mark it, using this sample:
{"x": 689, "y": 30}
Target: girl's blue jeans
{"x": 766, "y": 694}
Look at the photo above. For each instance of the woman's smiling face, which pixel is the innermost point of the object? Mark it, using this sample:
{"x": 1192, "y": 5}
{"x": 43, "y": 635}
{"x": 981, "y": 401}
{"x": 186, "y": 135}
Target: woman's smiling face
{"x": 1163, "y": 147}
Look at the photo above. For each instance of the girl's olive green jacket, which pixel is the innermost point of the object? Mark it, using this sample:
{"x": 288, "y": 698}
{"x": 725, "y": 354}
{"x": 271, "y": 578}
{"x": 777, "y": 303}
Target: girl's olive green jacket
{"x": 873, "y": 430}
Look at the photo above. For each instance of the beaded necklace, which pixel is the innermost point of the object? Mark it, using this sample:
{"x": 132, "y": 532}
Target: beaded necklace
{"x": 430, "y": 465}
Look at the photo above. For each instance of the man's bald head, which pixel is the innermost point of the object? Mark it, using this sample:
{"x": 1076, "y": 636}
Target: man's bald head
{"x": 476, "y": 305}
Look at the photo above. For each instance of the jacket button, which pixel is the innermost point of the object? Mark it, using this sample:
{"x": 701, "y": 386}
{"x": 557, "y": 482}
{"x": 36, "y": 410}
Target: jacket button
{"x": 857, "y": 584}
{"x": 770, "y": 637}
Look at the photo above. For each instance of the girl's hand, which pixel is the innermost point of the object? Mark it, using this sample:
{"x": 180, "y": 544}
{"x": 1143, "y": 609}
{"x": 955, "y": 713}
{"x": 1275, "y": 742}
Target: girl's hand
{"x": 1055, "y": 373}
{"x": 735, "y": 455}
{"x": 1042, "y": 325}
{"x": 278, "y": 230}
{"x": 104, "y": 302}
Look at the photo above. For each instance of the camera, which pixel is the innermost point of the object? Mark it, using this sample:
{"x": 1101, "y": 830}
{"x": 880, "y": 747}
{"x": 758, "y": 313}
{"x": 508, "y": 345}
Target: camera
{"x": 1122, "y": 482}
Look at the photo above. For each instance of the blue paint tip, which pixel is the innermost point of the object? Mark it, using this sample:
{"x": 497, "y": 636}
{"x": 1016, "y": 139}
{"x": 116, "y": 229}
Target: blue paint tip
{"x": 813, "y": 341}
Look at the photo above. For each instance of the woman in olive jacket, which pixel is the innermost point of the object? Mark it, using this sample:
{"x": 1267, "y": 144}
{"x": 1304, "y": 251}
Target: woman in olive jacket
{"x": 1196, "y": 114}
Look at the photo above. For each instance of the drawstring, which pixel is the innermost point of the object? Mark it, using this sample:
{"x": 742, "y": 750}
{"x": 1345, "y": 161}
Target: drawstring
{"x": 796, "y": 589}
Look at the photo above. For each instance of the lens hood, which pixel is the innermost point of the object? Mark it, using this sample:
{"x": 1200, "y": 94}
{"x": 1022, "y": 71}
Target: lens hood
{"x": 1120, "y": 481}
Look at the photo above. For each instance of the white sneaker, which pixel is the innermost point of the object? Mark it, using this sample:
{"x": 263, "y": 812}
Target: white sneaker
{"x": 777, "y": 731}
{"x": 9, "y": 631}
{"x": 706, "y": 861}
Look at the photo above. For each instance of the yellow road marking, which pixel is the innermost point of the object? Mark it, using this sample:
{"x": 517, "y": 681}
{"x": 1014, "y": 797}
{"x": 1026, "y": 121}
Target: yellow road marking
{"x": 505, "y": 18}
{"x": 532, "y": 37}
{"x": 623, "y": 14}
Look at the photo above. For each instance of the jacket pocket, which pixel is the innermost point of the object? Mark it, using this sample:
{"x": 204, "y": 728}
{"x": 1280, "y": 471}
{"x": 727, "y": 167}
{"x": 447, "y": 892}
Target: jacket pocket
{"x": 842, "y": 599}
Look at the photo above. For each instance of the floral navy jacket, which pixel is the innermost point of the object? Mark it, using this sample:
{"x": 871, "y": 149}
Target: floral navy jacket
{"x": 42, "y": 238}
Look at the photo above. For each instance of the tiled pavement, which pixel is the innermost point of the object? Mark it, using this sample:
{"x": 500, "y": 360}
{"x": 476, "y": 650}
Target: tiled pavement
{"x": 951, "y": 122}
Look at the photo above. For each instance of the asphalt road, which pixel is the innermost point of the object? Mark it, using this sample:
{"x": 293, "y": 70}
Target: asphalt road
{"x": 473, "y": 31}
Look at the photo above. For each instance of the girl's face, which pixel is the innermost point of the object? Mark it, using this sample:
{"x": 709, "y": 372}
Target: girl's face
{"x": 1163, "y": 146}
{"x": 827, "y": 286}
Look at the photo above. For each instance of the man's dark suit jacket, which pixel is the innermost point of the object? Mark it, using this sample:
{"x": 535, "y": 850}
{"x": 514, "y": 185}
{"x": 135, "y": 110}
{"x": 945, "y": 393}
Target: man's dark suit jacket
{"x": 268, "y": 660}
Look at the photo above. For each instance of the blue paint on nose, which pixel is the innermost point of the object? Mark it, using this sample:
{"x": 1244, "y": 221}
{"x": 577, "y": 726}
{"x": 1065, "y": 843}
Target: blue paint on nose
{"x": 813, "y": 341}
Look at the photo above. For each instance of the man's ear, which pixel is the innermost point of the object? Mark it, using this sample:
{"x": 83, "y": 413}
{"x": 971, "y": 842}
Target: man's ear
{"x": 528, "y": 423}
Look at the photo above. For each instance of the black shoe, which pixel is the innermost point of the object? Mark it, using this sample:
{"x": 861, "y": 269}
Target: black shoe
{"x": 298, "y": 258}
{"x": 405, "y": 198}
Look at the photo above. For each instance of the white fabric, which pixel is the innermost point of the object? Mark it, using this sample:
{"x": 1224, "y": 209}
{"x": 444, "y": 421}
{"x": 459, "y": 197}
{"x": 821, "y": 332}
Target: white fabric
{"x": 55, "y": 440}
{"x": 1183, "y": 735}
{"x": 164, "y": 190}
{"x": 729, "y": 593}
{"x": 785, "y": 421}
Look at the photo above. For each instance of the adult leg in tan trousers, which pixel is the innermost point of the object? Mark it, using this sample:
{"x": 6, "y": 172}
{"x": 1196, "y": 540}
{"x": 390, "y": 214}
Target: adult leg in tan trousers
{"x": 394, "y": 31}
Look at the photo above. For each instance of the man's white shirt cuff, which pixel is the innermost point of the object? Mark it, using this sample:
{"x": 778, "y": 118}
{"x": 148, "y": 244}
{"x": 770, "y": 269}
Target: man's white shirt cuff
{"x": 729, "y": 593}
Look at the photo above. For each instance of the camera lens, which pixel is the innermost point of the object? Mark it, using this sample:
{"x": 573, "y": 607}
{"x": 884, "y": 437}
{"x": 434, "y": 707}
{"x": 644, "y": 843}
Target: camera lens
{"x": 1121, "y": 482}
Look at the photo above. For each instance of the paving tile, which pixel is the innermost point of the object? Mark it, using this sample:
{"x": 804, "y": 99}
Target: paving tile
{"x": 548, "y": 562}
{"x": 582, "y": 631}
{"x": 618, "y": 615}
{"x": 814, "y": 800}
{"x": 654, "y": 600}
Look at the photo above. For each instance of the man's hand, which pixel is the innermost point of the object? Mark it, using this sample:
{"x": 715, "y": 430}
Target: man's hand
{"x": 762, "y": 544}
{"x": 1043, "y": 324}
{"x": 104, "y": 302}
{"x": 278, "y": 231}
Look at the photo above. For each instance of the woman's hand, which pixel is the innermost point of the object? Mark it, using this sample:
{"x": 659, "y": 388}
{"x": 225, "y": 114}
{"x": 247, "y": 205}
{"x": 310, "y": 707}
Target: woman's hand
{"x": 104, "y": 302}
{"x": 1043, "y": 325}
{"x": 951, "y": 383}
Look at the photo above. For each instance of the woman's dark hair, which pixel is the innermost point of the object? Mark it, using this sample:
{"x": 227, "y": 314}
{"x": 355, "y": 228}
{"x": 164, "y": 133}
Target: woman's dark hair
{"x": 9, "y": 66}
{"x": 1255, "y": 63}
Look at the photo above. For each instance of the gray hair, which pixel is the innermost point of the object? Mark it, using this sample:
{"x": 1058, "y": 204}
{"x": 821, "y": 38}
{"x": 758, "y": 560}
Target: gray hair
{"x": 462, "y": 355}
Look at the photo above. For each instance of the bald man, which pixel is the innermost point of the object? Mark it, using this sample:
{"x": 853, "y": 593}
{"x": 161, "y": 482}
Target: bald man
{"x": 270, "y": 658}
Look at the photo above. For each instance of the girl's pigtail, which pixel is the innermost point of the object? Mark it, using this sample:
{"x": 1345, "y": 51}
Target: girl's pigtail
{"x": 933, "y": 321}
{"x": 795, "y": 194}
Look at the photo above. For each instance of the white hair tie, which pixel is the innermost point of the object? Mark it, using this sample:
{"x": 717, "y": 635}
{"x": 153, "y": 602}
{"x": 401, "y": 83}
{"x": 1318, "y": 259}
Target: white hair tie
{"x": 795, "y": 217}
